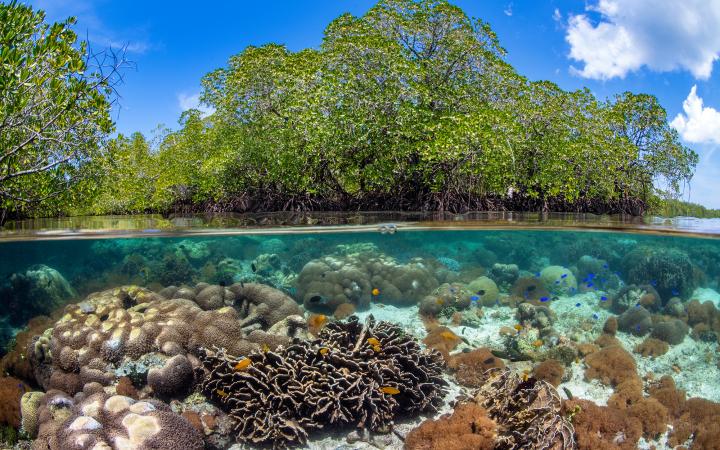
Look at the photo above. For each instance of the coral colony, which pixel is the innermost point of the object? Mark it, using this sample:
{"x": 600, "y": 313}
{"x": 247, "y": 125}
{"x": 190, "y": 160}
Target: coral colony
{"x": 424, "y": 340}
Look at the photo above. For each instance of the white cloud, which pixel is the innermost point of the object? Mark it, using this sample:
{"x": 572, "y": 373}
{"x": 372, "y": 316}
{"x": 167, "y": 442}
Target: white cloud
{"x": 699, "y": 124}
{"x": 557, "y": 16}
{"x": 661, "y": 35}
{"x": 508, "y": 11}
{"x": 192, "y": 101}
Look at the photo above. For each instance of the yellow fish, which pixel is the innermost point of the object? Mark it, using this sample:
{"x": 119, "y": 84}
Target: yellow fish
{"x": 376, "y": 292}
{"x": 243, "y": 364}
{"x": 372, "y": 341}
{"x": 324, "y": 351}
{"x": 518, "y": 327}
{"x": 265, "y": 348}
{"x": 538, "y": 343}
{"x": 440, "y": 301}
{"x": 376, "y": 348}
{"x": 390, "y": 390}
{"x": 221, "y": 393}
{"x": 449, "y": 335}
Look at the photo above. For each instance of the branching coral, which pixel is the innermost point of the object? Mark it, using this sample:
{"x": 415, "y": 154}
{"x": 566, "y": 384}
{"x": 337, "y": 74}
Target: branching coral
{"x": 362, "y": 374}
{"x": 528, "y": 412}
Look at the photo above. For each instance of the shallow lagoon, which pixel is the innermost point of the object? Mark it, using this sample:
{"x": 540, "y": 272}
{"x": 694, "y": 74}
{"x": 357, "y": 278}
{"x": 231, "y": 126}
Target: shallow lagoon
{"x": 601, "y": 315}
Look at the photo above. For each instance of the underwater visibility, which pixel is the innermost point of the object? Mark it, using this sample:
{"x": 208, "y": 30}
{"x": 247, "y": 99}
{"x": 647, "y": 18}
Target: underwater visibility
{"x": 343, "y": 339}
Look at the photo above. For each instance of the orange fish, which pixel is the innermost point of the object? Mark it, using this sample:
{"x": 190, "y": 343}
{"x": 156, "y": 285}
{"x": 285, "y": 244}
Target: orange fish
{"x": 372, "y": 341}
{"x": 518, "y": 327}
{"x": 317, "y": 320}
{"x": 221, "y": 393}
{"x": 324, "y": 351}
{"x": 440, "y": 301}
{"x": 265, "y": 348}
{"x": 375, "y": 292}
{"x": 537, "y": 343}
{"x": 390, "y": 390}
{"x": 449, "y": 335}
{"x": 243, "y": 364}
{"x": 377, "y": 348}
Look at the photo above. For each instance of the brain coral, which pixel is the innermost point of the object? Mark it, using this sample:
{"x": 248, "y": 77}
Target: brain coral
{"x": 325, "y": 283}
{"x": 558, "y": 280}
{"x": 361, "y": 374}
{"x": 117, "y": 327}
{"x": 100, "y": 421}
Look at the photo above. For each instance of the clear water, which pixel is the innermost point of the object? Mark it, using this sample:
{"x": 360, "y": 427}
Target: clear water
{"x": 585, "y": 276}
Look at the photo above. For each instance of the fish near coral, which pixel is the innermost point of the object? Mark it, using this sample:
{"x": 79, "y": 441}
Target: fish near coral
{"x": 316, "y": 322}
{"x": 375, "y": 292}
{"x": 390, "y": 390}
{"x": 242, "y": 364}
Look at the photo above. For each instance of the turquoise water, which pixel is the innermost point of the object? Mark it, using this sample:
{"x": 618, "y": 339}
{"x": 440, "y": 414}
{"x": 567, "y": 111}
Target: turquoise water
{"x": 114, "y": 298}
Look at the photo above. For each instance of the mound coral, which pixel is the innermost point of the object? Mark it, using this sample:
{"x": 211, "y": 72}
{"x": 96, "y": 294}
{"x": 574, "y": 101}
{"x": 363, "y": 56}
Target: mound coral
{"x": 362, "y": 374}
{"x": 705, "y": 321}
{"x": 325, "y": 283}
{"x": 672, "y": 331}
{"x": 38, "y": 290}
{"x": 344, "y": 311}
{"x": 529, "y": 289}
{"x": 631, "y": 295}
{"x": 467, "y": 428}
{"x": 111, "y": 329}
{"x": 601, "y": 427}
{"x": 528, "y": 412}
{"x": 443, "y": 340}
{"x": 447, "y": 299}
{"x": 636, "y": 320}
{"x": 504, "y": 275}
{"x": 558, "y": 280}
{"x": 100, "y": 421}
{"x": 486, "y": 289}
{"x": 669, "y": 270}
{"x": 652, "y": 347}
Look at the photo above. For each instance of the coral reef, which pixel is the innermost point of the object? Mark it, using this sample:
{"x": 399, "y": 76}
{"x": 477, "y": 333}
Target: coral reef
{"x": 470, "y": 368}
{"x": 529, "y": 289}
{"x": 100, "y": 421}
{"x": 528, "y": 412}
{"x": 669, "y": 270}
{"x": 443, "y": 340}
{"x": 362, "y": 374}
{"x": 601, "y": 427}
{"x": 550, "y": 370}
{"x": 652, "y": 347}
{"x": 611, "y": 365}
{"x": 504, "y": 275}
{"x": 325, "y": 283}
{"x": 540, "y": 317}
{"x": 446, "y": 300}
{"x": 636, "y": 320}
{"x": 344, "y": 311}
{"x": 672, "y": 331}
{"x": 632, "y": 295}
{"x": 485, "y": 289}
{"x": 38, "y": 290}
{"x": 558, "y": 280}
{"x": 134, "y": 328}
{"x": 467, "y": 428}
{"x": 11, "y": 390}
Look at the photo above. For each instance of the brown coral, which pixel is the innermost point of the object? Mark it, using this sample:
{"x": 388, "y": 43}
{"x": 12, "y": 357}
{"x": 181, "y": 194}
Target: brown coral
{"x": 443, "y": 340}
{"x": 344, "y": 311}
{"x": 550, "y": 370}
{"x": 611, "y": 365}
{"x": 652, "y": 347}
{"x": 601, "y": 427}
{"x": 467, "y": 428}
{"x": 11, "y": 390}
{"x": 470, "y": 367}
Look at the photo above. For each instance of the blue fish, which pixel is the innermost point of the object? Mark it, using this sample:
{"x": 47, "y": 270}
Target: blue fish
{"x": 603, "y": 298}
{"x": 557, "y": 281}
{"x": 578, "y": 304}
{"x": 474, "y": 298}
{"x": 590, "y": 284}
{"x": 605, "y": 266}
{"x": 675, "y": 292}
{"x": 591, "y": 276}
{"x": 653, "y": 283}
{"x": 563, "y": 275}
{"x": 544, "y": 299}
{"x": 537, "y": 274}
{"x": 638, "y": 305}
{"x": 596, "y": 317}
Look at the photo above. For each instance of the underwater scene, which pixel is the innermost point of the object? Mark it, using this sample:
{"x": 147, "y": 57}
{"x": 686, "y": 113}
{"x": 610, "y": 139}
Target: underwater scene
{"x": 391, "y": 339}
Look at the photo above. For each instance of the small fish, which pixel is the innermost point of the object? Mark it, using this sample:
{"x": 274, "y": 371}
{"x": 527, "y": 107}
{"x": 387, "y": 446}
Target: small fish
{"x": 604, "y": 298}
{"x": 568, "y": 393}
{"x": 252, "y": 266}
{"x": 324, "y": 351}
{"x": 490, "y": 360}
{"x": 563, "y": 275}
{"x": 675, "y": 292}
{"x": 537, "y": 343}
{"x": 221, "y": 393}
{"x": 544, "y": 299}
{"x": 590, "y": 284}
{"x": 390, "y": 390}
{"x": 653, "y": 283}
{"x": 265, "y": 348}
{"x": 474, "y": 298}
{"x": 481, "y": 292}
{"x": 556, "y": 298}
{"x": 605, "y": 266}
{"x": 440, "y": 301}
{"x": 449, "y": 335}
{"x": 537, "y": 274}
{"x": 595, "y": 316}
{"x": 375, "y": 292}
{"x": 242, "y": 364}
{"x": 591, "y": 276}
{"x": 377, "y": 348}
{"x": 373, "y": 341}
{"x": 518, "y": 327}
{"x": 578, "y": 304}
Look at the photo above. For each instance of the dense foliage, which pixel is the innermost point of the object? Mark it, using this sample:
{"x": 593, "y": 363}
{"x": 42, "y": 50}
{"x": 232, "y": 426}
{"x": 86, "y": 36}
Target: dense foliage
{"x": 411, "y": 106}
{"x": 54, "y": 112}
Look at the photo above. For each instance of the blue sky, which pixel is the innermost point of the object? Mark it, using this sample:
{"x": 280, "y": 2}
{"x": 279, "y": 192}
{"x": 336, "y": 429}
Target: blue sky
{"x": 668, "y": 48}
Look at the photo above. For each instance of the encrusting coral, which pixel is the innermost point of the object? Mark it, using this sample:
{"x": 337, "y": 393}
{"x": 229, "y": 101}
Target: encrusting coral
{"x": 528, "y": 412}
{"x": 111, "y": 329}
{"x": 362, "y": 374}
{"x": 96, "y": 420}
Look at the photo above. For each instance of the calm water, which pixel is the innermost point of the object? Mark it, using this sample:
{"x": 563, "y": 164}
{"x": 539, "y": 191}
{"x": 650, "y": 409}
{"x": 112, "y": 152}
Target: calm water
{"x": 661, "y": 288}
